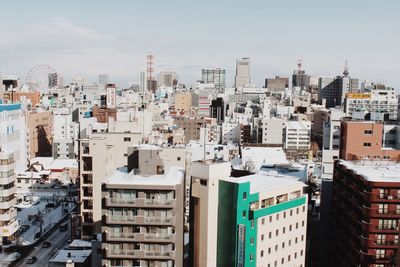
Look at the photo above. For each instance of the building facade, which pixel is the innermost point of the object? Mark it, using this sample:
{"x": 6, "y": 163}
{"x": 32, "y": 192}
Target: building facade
{"x": 143, "y": 219}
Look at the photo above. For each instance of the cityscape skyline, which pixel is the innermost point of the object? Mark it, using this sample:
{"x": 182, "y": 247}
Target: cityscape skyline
{"x": 185, "y": 41}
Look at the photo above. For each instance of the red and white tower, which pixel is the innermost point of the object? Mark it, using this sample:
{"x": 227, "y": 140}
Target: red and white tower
{"x": 150, "y": 67}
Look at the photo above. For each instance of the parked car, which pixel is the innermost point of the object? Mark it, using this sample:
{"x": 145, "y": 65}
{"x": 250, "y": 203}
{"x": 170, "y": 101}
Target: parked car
{"x": 63, "y": 227}
{"x": 46, "y": 244}
{"x": 37, "y": 235}
{"x": 31, "y": 260}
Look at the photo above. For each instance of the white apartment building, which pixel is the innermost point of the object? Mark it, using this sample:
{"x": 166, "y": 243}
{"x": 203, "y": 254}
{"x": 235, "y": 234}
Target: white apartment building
{"x": 273, "y": 131}
{"x": 297, "y": 135}
{"x": 65, "y": 134}
{"x": 13, "y": 135}
{"x": 260, "y": 220}
{"x": 8, "y": 224}
{"x": 242, "y": 77}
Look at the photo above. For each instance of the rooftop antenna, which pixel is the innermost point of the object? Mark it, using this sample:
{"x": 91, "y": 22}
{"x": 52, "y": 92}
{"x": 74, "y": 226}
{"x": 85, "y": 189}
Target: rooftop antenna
{"x": 346, "y": 68}
{"x": 299, "y": 63}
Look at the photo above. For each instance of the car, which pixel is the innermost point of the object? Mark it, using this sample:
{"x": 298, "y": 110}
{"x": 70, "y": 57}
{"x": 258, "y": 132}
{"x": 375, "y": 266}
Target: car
{"x": 31, "y": 260}
{"x": 46, "y": 244}
{"x": 69, "y": 240}
{"x": 38, "y": 234}
{"x": 14, "y": 256}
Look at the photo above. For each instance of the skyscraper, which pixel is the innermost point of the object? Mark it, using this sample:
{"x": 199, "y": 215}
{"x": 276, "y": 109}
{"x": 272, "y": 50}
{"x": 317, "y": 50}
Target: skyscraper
{"x": 142, "y": 85}
{"x": 242, "y": 77}
{"x": 103, "y": 80}
{"x": 300, "y": 78}
{"x": 215, "y": 76}
{"x": 55, "y": 80}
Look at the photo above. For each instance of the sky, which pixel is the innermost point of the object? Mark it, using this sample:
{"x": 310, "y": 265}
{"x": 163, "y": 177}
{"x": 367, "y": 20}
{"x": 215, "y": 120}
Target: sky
{"x": 87, "y": 38}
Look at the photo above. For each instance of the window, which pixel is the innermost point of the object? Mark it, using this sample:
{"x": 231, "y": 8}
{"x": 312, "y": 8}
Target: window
{"x": 127, "y": 139}
{"x": 284, "y": 214}
{"x": 203, "y": 182}
{"x": 295, "y": 255}
{"x": 290, "y": 242}
{"x": 304, "y": 208}
{"x": 244, "y": 195}
{"x": 277, "y": 216}
{"x": 301, "y": 252}
{"x": 262, "y": 237}
{"x": 302, "y": 223}
{"x": 297, "y": 211}
{"x": 252, "y": 224}
{"x": 252, "y": 241}
{"x": 276, "y": 247}
{"x": 270, "y": 218}
{"x": 283, "y": 260}
{"x": 367, "y": 144}
{"x": 297, "y": 225}
{"x": 380, "y": 253}
{"x": 263, "y": 221}
{"x": 277, "y": 232}
{"x": 288, "y": 258}
{"x": 251, "y": 257}
{"x": 244, "y": 214}
{"x": 269, "y": 250}
{"x": 178, "y": 158}
{"x": 290, "y": 227}
{"x": 270, "y": 235}
{"x": 262, "y": 253}
{"x": 283, "y": 244}
{"x": 381, "y": 239}
{"x": 383, "y": 208}
{"x": 291, "y": 212}
{"x": 368, "y": 132}
{"x": 283, "y": 230}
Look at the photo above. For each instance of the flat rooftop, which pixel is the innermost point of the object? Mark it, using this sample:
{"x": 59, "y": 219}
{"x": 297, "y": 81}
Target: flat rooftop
{"x": 375, "y": 171}
{"x": 173, "y": 176}
{"x": 266, "y": 182}
{"x": 77, "y": 256}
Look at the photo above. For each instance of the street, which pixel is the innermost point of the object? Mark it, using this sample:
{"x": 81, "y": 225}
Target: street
{"x": 58, "y": 241}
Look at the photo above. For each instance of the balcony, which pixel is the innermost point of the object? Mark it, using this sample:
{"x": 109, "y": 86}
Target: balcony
{"x": 141, "y": 220}
{"x": 140, "y": 202}
{"x": 5, "y": 217}
{"x": 159, "y": 237}
{"x": 7, "y": 180}
{"x": 10, "y": 229}
{"x": 8, "y": 192}
{"x": 124, "y": 237}
{"x": 138, "y": 254}
{"x": 8, "y": 204}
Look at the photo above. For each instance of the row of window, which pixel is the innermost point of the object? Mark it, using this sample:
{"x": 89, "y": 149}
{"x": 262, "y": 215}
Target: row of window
{"x": 284, "y": 231}
{"x": 289, "y": 258}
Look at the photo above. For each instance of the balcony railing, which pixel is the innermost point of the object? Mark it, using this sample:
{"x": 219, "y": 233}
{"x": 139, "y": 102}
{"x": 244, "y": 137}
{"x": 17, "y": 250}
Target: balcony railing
{"x": 141, "y": 202}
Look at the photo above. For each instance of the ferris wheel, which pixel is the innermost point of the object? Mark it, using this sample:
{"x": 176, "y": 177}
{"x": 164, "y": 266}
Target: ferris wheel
{"x": 35, "y": 73}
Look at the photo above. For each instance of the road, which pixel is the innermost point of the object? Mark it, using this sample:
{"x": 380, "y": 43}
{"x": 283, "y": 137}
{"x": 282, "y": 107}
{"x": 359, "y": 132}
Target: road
{"x": 58, "y": 241}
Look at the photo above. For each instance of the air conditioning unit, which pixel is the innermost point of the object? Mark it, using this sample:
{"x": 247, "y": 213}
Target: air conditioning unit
{"x": 389, "y": 197}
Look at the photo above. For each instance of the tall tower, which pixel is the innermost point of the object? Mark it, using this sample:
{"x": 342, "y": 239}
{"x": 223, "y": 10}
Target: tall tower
{"x": 151, "y": 82}
{"x": 242, "y": 77}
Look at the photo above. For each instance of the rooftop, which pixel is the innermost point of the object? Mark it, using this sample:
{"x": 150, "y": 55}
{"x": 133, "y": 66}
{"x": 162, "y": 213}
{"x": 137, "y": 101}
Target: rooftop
{"x": 173, "y": 176}
{"x": 266, "y": 182}
{"x": 375, "y": 171}
{"x": 78, "y": 256}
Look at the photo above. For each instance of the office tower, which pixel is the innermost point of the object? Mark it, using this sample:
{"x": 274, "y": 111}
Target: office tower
{"x": 255, "y": 220}
{"x": 167, "y": 78}
{"x": 277, "y": 83}
{"x": 143, "y": 218}
{"x": 217, "y": 109}
{"x": 334, "y": 90}
{"x": 300, "y": 78}
{"x": 242, "y": 77}
{"x": 13, "y": 134}
{"x": 103, "y": 81}
{"x": 365, "y": 214}
{"x": 55, "y": 80}
{"x": 8, "y": 224}
{"x": 143, "y": 83}
{"x": 214, "y": 76}
{"x": 369, "y": 140}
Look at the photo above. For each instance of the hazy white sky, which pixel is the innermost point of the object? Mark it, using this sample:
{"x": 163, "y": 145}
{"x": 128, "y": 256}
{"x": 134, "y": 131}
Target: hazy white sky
{"x": 85, "y": 38}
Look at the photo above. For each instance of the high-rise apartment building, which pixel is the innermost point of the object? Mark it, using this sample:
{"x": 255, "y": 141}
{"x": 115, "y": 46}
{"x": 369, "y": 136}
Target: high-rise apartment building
{"x": 8, "y": 224}
{"x": 143, "y": 219}
{"x": 217, "y": 109}
{"x": 297, "y": 135}
{"x": 255, "y": 220}
{"x": 142, "y": 82}
{"x": 216, "y": 77}
{"x": 365, "y": 214}
{"x": 242, "y": 77}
